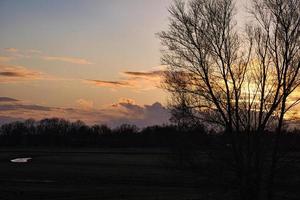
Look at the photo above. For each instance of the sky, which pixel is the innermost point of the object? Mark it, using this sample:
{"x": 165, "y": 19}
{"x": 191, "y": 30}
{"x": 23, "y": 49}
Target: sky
{"x": 91, "y": 60}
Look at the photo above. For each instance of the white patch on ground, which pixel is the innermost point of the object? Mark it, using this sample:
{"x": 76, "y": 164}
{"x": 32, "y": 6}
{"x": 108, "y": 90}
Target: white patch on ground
{"x": 20, "y": 160}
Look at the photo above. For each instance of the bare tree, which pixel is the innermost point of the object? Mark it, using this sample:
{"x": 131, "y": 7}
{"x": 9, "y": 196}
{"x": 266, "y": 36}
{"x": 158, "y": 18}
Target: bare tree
{"x": 239, "y": 81}
{"x": 278, "y": 28}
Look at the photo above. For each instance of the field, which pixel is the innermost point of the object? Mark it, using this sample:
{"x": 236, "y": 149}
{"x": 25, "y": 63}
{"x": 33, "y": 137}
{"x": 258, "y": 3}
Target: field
{"x": 102, "y": 174}
{"x": 93, "y": 174}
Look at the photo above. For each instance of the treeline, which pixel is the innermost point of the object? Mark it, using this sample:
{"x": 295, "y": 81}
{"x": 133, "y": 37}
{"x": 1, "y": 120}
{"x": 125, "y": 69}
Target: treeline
{"x": 58, "y": 132}
{"x": 63, "y": 133}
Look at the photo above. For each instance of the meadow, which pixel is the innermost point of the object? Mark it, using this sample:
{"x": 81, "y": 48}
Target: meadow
{"x": 93, "y": 174}
{"x": 117, "y": 173}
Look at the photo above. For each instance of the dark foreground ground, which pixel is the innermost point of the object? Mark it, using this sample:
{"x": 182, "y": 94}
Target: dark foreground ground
{"x": 93, "y": 174}
{"x": 108, "y": 174}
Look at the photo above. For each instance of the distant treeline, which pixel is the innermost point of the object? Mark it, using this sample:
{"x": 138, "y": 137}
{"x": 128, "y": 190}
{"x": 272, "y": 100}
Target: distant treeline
{"x": 63, "y": 133}
{"x": 60, "y": 132}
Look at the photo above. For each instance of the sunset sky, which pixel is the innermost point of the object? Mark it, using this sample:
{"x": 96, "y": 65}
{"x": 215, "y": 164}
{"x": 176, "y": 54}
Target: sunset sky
{"x": 93, "y": 60}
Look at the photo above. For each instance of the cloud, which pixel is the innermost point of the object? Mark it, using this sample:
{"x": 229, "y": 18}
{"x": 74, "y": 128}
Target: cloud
{"x": 149, "y": 74}
{"x": 124, "y": 100}
{"x": 11, "y": 50}
{"x": 29, "y": 53}
{"x": 144, "y": 80}
{"x": 73, "y": 60}
{"x": 124, "y": 111}
{"x": 24, "y": 107}
{"x": 15, "y": 53}
{"x": 138, "y": 80}
{"x": 7, "y": 99}
{"x": 5, "y": 58}
{"x": 110, "y": 84}
{"x": 11, "y": 73}
{"x": 142, "y": 116}
{"x": 127, "y": 106}
{"x": 34, "y": 51}
{"x": 85, "y": 104}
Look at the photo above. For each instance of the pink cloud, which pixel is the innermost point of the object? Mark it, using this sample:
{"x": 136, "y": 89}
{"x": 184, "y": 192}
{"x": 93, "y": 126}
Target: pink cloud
{"x": 11, "y": 50}
{"x": 29, "y": 53}
{"x": 125, "y": 111}
{"x": 138, "y": 80}
{"x": 73, "y": 60}
{"x": 5, "y": 58}
{"x": 12, "y": 73}
{"x": 85, "y": 104}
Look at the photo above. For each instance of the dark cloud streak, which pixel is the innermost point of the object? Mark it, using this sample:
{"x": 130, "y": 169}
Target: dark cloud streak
{"x": 109, "y": 83}
{"x": 12, "y": 74}
{"x": 24, "y": 107}
{"x": 8, "y": 99}
{"x": 145, "y": 74}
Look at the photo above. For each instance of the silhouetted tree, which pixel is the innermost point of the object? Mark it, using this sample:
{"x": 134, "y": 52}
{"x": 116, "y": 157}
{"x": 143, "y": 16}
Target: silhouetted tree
{"x": 242, "y": 84}
{"x": 126, "y": 129}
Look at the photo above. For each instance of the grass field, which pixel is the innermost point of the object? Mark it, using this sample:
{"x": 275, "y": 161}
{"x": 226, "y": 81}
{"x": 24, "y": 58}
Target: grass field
{"x": 93, "y": 174}
{"x": 102, "y": 174}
